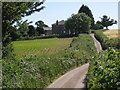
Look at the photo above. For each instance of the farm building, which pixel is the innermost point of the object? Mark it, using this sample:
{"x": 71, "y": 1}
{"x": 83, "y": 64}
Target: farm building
{"x": 59, "y": 27}
{"x": 48, "y": 30}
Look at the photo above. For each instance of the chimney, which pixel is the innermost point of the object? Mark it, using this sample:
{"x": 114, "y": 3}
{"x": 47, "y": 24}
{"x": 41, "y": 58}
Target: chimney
{"x": 57, "y": 22}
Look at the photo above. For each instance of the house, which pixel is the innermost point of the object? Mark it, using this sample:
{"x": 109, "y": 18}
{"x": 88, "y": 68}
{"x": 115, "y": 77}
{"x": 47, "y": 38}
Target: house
{"x": 59, "y": 27}
{"x": 48, "y": 30}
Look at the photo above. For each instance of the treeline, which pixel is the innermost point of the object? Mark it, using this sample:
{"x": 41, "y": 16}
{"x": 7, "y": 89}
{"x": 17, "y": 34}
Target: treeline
{"x": 47, "y": 36}
{"x": 22, "y": 30}
{"x": 83, "y": 21}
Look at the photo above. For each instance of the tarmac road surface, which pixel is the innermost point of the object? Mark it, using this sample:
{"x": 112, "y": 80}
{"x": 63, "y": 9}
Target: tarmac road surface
{"x": 76, "y": 77}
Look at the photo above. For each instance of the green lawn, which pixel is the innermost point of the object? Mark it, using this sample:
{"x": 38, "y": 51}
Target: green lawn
{"x": 40, "y": 46}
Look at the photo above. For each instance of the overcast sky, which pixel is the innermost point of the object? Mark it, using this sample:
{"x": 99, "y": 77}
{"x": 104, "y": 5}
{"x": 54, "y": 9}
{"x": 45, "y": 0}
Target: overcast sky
{"x": 61, "y": 10}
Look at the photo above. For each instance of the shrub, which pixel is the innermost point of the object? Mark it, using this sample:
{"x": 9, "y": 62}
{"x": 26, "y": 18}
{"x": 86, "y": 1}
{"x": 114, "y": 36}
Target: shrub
{"x": 105, "y": 41}
{"x": 115, "y": 42}
{"x": 97, "y": 26}
{"x": 45, "y": 37}
{"x": 104, "y": 70}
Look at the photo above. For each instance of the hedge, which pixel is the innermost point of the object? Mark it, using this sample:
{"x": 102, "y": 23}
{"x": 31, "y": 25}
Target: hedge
{"x": 92, "y": 31}
{"x": 105, "y": 41}
{"x": 104, "y": 71}
{"x": 45, "y": 37}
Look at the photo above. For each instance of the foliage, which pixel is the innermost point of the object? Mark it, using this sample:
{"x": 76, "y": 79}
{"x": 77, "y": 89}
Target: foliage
{"x": 87, "y": 11}
{"x": 105, "y": 41}
{"x": 78, "y": 23}
{"x": 23, "y": 27}
{"x": 92, "y": 31}
{"x": 106, "y": 21}
{"x": 97, "y": 26}
{"x": 45, "y": 37}
{"x": 104, "y": 70}
{"x": 40, "y": 24}
{"x": 15, "y": 34}
{"x": 12, "y": 12}
{"x": 40, "y": 31}
{"x": 32, "y": 31}
{"x": 39, "y": 72}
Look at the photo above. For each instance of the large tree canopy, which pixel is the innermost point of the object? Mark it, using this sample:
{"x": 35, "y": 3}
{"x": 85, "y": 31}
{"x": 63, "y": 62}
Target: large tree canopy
{"x": 78, "y": 23}
{"x": 40, "y": 24}
{"x": 32, "y": 31}
{"x": 87, "y": 11}
{"x": 12, "y": 12}
{"x": 106, "y": 21}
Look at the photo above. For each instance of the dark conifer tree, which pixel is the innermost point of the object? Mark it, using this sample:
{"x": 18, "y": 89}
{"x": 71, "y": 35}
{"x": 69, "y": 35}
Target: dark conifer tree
{"x": 87, "y": 11}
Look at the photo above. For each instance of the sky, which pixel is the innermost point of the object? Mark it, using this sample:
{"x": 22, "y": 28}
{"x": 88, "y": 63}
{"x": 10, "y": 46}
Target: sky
{"x": 61, "y": 10}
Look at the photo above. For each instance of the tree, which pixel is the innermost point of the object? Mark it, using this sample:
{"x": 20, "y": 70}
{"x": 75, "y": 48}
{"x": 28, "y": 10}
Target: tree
{"x": 15, "y": 34}
{"x": 87, "y": 11}
{"x": 98, "y": 26}
{"x": 12, "y": 12}
{"x": 23, "y": 27}
{"x": 78, "y": 23}
{"x": 40, "y": 24}
{"x": 106, "y": 21}
{"x": 69, "y": 25}
{"x": 32, "y": 31}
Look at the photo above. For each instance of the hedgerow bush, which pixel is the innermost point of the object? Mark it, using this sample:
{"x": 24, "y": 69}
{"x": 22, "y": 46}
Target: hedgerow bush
{"x": 104, "y": 70}
{"x": 39, "y": 72}
{"x": 92, "y": 31}
{"x": 105, "y": 41}
{"x": 115, "y": 42}
{"x": 45, "y": 37}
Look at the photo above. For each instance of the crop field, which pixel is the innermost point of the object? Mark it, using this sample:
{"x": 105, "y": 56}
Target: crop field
{"x": 114, "y": 33}
{"x": 40, "y": 47}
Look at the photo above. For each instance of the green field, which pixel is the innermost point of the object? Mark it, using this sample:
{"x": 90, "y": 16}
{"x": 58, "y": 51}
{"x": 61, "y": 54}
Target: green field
{"x": 40, "y": 46}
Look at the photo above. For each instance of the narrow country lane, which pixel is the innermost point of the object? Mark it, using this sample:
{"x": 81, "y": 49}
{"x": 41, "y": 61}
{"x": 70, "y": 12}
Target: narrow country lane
{"x": 73, "y": 79}
{"x": 76, "y": 77}
{"x": 97, "y": 43}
